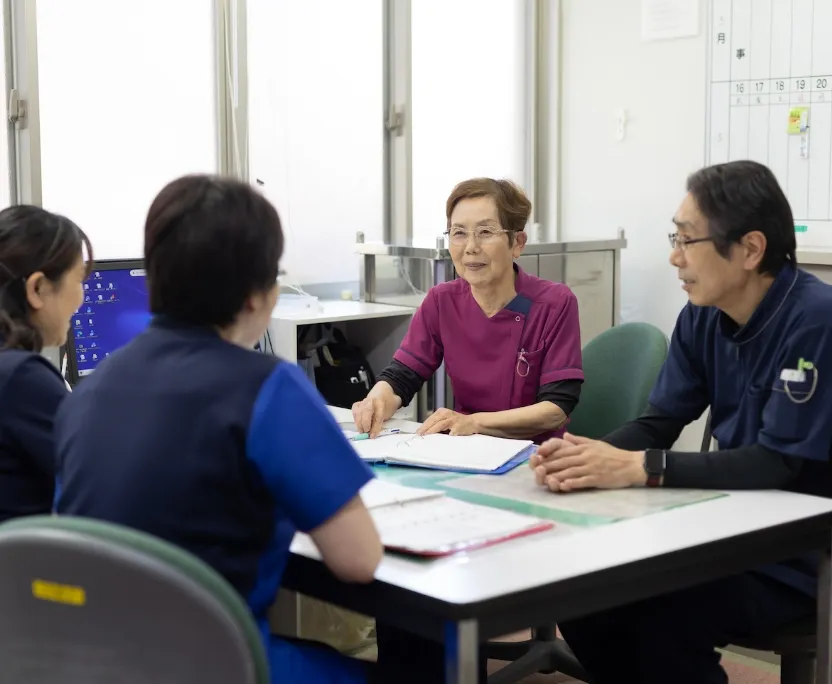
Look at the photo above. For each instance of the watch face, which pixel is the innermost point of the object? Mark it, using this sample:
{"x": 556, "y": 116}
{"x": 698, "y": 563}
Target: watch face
{"x": 654, "y": 461}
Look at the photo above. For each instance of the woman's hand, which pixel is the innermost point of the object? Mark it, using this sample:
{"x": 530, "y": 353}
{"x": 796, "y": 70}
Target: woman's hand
{"x": 368, "y": 415}
{"x": 446, "y": 420}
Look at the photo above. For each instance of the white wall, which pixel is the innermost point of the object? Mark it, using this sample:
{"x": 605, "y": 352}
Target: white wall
{"x": 638, "y": 183}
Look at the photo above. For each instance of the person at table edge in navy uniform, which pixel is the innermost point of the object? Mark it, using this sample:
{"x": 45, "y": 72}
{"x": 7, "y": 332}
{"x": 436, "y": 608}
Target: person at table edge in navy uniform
{"x": 42, "y": 270}
{"x": 189, "y": 434}
{"x": 754, "y": 343}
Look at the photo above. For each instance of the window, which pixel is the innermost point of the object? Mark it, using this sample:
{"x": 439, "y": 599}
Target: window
{"x": 316, "y": 128}
{"x": 468, "y": 100}
{"x": 127, "y": 103}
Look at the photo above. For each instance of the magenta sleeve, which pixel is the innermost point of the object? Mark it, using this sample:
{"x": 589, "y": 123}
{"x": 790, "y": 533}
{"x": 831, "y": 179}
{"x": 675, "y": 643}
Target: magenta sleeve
{"x": 421, "y": 349}
{"x": 563, "y": 347}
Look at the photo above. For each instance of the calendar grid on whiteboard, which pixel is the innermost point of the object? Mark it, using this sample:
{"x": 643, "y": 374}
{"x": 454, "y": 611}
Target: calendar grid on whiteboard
{"x": 767, "y": 57}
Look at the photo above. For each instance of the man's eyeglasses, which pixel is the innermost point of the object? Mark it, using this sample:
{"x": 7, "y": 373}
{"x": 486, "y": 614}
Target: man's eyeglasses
{"x": 683, "y": 243}
{"x": 482, "y": 234}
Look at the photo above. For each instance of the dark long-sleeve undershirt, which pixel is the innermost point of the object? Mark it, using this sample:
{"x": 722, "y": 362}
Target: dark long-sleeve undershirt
{"x": 747, "y": 467}
{"x": 406, "y": 383}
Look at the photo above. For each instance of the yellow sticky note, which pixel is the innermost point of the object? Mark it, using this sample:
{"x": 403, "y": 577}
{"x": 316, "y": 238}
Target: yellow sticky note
{"x": 798, "y": 120}
{"x": 59, "y": 593}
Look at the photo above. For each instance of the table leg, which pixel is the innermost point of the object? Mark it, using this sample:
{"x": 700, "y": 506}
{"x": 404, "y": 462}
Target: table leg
{"x": 461, "y": 652}
{"x": 824, "y": 658}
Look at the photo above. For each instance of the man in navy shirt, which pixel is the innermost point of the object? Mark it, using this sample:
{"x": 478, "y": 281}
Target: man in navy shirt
{"x": 753, "y": 343}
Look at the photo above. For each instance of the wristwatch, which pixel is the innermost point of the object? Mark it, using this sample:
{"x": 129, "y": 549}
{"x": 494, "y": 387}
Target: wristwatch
{"x": 655, "y": 462}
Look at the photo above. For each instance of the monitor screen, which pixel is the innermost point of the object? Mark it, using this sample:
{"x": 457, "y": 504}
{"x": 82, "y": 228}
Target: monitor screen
{"x": 114, "y": 311}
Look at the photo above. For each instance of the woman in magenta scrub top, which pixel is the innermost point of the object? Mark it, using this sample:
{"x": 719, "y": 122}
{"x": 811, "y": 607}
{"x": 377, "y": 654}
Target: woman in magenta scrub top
{"x": 511, "y": 345}
{"x": 510, "y": 341}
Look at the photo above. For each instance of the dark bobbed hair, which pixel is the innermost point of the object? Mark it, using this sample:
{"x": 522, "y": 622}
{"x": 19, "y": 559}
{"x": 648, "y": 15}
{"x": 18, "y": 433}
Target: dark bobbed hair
{"x": 210, "y": 243}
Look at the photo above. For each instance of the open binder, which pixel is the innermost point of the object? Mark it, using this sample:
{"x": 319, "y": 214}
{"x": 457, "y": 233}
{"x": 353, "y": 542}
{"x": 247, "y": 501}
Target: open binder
{"x": 476, "y": 454}
{"x": 428, "y": 523}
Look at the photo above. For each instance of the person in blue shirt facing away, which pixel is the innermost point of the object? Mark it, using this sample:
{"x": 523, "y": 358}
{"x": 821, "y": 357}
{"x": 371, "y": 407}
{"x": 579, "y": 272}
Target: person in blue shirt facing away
{"x": 754, "y": 343}
{"x": 189, "y": 434}
{"x": 42, "y": 270}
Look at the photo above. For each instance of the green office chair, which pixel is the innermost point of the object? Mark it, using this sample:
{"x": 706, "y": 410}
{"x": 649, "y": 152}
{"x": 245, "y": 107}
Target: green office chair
{"x": 620, "y": 369}
{"x": 88, "y": 602}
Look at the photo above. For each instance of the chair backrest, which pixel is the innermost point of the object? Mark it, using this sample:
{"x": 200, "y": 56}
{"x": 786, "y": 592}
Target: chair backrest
{"x": 620, "y": 368}
{"x": 84, "y": 601}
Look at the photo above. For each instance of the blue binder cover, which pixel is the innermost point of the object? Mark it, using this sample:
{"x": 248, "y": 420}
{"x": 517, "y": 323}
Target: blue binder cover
{"x": 517, "y": 460}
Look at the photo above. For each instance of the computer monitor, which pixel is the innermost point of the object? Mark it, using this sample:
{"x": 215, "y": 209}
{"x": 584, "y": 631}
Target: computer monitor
{"x": 115, "y": 309}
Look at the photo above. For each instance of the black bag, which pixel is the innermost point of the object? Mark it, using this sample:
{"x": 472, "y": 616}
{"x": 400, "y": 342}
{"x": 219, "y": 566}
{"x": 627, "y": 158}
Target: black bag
{"x": 342, "y": 374}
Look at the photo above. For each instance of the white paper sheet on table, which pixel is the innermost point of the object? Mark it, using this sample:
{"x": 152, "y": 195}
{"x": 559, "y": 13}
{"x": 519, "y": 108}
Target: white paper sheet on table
{"x": 519, "y": 485}
{"x": 378, "y": 493}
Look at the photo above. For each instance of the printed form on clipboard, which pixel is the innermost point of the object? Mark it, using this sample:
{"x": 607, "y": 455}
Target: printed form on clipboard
{"x": 478, "y": 454}
{"x": 423, "y": 522}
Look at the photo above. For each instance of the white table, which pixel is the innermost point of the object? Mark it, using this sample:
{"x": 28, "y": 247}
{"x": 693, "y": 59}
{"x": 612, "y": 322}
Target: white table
{"x": 558, "y": 576}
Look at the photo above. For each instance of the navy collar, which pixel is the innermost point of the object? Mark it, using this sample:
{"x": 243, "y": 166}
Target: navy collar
{"x": 521, "y": 304}
{"x": 771, "y": 305}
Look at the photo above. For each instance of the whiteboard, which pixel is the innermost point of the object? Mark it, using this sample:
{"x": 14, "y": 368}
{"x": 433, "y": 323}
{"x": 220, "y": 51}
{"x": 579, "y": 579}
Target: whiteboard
{"x": 769, "y": 60}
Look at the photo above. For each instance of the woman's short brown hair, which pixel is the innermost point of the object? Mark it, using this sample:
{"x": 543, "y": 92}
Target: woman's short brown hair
{"x": 513, "y": 207}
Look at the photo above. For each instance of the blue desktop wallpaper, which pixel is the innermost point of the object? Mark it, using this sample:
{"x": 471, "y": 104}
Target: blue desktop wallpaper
{"x": 114, "y": 311}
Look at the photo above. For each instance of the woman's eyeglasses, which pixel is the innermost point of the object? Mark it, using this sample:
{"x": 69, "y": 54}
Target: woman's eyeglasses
{"x": 482, "y": 234}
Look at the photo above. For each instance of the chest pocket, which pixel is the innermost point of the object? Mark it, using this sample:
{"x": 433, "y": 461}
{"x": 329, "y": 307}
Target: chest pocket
{"x": 799, "y": 386}
{"x": 741, "y": 419}
{"x": 528, "y": 366}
